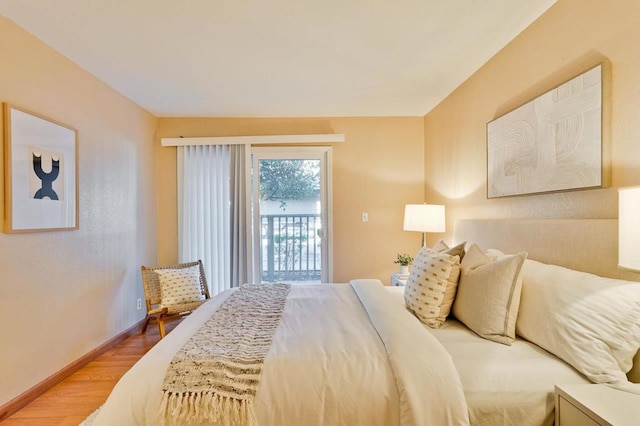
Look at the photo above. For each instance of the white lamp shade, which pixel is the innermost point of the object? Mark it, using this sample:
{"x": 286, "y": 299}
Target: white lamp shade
{"x": 629, "y": 228}
{"x": 424, "y": 218}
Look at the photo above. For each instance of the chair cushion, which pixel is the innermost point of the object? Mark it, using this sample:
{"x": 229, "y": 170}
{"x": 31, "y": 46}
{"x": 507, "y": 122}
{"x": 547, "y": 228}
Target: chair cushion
{"x": 179, "y": 286}
{"x": 177, "y": 309}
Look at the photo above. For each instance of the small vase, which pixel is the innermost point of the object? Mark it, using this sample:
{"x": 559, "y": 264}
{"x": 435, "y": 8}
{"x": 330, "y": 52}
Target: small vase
{"x": 404, "y": 269}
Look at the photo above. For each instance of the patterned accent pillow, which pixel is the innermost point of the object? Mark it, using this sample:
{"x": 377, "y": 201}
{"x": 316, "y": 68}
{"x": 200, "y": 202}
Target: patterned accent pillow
{"x": 431, "y": 286}
{"x": 180, "y": 285}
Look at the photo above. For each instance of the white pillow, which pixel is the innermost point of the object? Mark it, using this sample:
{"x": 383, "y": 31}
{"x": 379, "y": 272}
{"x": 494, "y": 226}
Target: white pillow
{"x": 489, "y": 294}
{"x": 180, "y": 286}
{"x": 593, "y": 323}
{"x": 431, "y": 286}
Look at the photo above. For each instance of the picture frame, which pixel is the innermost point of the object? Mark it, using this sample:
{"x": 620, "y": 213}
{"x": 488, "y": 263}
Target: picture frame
{"x": 41, "y": 172}
{"x": 551, "y": 143}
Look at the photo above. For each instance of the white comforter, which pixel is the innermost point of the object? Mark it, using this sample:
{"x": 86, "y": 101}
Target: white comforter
{"x": 343, "y": 355}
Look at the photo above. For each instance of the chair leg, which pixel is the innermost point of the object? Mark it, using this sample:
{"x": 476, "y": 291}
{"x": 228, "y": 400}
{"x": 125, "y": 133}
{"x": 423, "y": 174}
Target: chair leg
{"x": 145, "y": 324}
{"x": 161, "y": 326}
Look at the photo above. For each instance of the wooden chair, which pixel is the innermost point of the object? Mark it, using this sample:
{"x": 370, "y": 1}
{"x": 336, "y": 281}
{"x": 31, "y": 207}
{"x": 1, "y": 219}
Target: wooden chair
{"x": 153, "y": 295}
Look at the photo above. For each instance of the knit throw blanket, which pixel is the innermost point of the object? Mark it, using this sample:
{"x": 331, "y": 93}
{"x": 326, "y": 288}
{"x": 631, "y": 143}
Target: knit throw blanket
{"x": 214, "y": 376}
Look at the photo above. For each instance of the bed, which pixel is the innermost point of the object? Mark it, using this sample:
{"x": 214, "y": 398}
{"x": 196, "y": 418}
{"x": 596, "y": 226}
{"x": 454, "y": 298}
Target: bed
{"x": 352, "y": 354}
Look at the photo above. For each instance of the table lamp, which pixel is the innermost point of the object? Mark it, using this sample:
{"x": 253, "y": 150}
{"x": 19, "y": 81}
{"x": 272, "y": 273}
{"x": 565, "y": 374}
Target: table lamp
{"x": 629, "y": 228}
{"x": 424, "y": 218}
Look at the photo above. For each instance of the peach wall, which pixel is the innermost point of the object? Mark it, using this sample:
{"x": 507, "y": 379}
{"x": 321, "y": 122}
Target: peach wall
{"x": 62, "y": 294}
{"x": 377, "y": 170}
{"x": 569, "y": 38}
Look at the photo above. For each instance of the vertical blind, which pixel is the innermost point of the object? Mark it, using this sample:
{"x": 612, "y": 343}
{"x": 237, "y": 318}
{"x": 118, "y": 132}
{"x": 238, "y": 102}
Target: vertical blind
{"x": 241, "y": 264}
{"x": 204, "y": 225}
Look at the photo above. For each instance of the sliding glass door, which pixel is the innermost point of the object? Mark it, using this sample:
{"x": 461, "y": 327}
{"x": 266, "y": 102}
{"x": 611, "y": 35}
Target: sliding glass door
{"x": 291, "y": 214}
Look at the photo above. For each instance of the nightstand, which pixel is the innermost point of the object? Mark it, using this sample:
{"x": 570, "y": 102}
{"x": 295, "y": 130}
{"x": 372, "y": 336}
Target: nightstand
{"x": 595, "y": 405}
{"x": 399, "y": 280}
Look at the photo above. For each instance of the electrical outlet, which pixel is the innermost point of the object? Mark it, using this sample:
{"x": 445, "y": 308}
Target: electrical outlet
{"x": 139, "y": 304}
{"x": 365, "y": 217}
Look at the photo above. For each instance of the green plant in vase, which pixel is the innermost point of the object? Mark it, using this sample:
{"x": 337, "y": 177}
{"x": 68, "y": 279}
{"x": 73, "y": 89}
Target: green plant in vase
{"x": 404, "y": 260}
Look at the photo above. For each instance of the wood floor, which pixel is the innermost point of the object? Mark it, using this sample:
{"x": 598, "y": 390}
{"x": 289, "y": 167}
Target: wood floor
{"x": 71, "y": 401}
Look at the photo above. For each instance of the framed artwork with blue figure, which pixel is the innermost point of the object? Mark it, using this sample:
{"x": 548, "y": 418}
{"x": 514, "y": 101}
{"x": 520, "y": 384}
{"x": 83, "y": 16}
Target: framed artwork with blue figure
{"x": 40, "y": 173}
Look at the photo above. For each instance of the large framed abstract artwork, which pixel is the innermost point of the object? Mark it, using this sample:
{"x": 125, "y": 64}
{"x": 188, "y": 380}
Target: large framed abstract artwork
{"x": 41, "y": 173}
{"x": 551, "y": 143}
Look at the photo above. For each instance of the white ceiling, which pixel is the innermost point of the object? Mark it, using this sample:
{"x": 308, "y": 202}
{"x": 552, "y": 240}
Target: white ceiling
{"x": 278, "y": 58}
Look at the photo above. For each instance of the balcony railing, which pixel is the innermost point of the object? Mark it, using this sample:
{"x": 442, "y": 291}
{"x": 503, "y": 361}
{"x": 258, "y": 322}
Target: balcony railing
{"x": 291, "y": 247}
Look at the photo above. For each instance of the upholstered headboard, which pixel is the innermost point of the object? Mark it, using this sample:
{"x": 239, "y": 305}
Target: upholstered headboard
{"x": 588, "y": 245}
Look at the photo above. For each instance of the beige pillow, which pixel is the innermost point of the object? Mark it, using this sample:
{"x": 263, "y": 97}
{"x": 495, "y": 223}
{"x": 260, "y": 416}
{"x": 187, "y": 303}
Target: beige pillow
{"x": 488, "y": 295}
{"x": 179, "y": 286}
{"x": 476, "y": 257}
{"x": 442, "y": 247}
{"x": 431, "y": 286}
